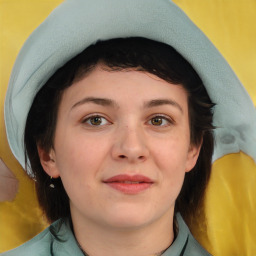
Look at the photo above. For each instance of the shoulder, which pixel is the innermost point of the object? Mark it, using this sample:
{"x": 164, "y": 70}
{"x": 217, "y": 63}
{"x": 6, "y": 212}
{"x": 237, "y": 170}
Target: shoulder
{"x": 39, "y": 245}
{"x": 185, "y": 244}
{"x": 193, "y": 248}
{"x": 56, "y": 240}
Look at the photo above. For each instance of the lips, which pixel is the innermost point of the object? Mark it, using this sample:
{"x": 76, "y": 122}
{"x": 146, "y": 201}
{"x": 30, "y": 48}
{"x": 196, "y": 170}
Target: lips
{"x": 129, "y": 184}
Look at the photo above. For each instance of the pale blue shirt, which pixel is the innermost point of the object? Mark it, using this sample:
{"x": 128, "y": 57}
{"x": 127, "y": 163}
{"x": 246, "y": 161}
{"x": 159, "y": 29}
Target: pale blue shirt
{"x": 45, "y": 244}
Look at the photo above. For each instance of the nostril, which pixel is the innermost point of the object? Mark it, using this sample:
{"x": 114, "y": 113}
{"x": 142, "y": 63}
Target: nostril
{"x": 122, "y": 156}
{"x": 141, "y": 157}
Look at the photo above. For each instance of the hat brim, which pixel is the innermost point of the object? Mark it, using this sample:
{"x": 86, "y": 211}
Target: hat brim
{"x": 76, "y": 24}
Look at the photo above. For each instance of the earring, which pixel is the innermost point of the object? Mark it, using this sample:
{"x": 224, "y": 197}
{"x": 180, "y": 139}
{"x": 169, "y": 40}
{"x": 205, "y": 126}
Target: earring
{"x": 51, "y": 184}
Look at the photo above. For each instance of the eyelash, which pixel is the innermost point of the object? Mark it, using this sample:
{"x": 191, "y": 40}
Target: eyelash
{"x": 169, "y": 120}
{"x": 88, "y": 120}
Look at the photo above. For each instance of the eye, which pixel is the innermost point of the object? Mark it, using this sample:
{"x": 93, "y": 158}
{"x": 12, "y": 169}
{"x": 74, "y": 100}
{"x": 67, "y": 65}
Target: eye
{"x": 95, "y": 121}
{"x": 160, "y": 121}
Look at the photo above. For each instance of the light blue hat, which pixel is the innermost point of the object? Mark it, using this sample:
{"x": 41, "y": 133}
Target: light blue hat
{"x": 76, "y": 24}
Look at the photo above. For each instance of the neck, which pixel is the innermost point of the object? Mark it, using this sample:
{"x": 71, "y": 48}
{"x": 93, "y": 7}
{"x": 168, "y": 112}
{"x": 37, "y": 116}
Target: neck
{"x": 151, "y": 239}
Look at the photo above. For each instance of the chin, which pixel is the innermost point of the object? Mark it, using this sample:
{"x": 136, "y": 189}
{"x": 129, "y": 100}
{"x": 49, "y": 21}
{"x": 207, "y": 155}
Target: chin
{"x": 131, "y": 218}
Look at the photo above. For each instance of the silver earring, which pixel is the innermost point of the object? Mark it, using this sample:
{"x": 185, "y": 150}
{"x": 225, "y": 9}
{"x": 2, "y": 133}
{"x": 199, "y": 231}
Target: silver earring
{"x": 51, "y": 184}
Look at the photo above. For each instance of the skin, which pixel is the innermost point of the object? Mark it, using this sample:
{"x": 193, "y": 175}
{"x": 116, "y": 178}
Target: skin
{"x": 143, "y": 129}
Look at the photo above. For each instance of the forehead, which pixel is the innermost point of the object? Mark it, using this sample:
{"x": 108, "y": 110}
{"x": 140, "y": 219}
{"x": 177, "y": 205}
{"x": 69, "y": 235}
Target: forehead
{"x": 123, "y": 84}
{"x": 125, "y": 88}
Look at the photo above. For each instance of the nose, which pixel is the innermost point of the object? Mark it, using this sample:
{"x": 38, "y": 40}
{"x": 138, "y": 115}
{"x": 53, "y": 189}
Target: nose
{"x": 130, "y": 145}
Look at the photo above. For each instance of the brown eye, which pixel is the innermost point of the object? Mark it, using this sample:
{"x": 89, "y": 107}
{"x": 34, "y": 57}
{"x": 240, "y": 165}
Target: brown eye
{"x": 157, "y": 121}
{"x": 160, "y": 121}
{"x": 95, "y": 120}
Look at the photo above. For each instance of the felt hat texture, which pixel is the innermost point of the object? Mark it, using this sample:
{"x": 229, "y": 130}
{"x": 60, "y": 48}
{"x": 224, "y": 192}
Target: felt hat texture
{"x": 74, "y": 25}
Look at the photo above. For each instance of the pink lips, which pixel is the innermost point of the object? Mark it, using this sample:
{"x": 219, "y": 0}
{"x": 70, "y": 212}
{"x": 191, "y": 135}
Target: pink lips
{"x": 129, "y": 184}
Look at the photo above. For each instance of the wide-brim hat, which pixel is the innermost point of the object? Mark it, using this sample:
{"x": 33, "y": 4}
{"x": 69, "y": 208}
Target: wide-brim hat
{"x": 76, "y": 24}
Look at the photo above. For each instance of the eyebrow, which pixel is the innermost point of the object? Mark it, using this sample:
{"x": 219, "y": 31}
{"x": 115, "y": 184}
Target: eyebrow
{"x": 160, "y": 102}
{"x": 98, "y": 101}
{"x": 111, "y": 103}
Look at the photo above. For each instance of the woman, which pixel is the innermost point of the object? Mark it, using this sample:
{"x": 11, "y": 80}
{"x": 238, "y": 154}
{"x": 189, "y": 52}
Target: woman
{"x": 114, "y": 121}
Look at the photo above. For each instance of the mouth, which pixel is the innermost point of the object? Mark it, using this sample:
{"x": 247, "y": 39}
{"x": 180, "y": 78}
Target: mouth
{"x": 128, "y": 184}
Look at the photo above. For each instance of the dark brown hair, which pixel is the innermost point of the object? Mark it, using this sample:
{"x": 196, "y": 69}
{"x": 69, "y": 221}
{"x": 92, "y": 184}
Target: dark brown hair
{"x": 119, "y": 54}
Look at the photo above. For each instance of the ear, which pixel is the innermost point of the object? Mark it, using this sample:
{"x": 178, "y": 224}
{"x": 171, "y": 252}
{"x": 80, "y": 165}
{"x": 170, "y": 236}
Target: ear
{"x": 193, "y": 154}
{"x": 48, "y": 162}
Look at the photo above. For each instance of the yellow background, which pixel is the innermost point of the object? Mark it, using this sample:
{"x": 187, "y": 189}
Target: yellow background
{"x": 230, "y": 204}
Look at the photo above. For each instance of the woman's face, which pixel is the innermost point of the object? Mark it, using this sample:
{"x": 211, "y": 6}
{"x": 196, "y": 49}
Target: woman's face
{"x": 122, "y": 148}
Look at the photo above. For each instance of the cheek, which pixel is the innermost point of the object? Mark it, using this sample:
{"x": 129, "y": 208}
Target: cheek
{"x": 80, "y": 163}
{"x": 171, "y": 154}
{"x": 171, "y": 159}
{"x": 78, "y": 156}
